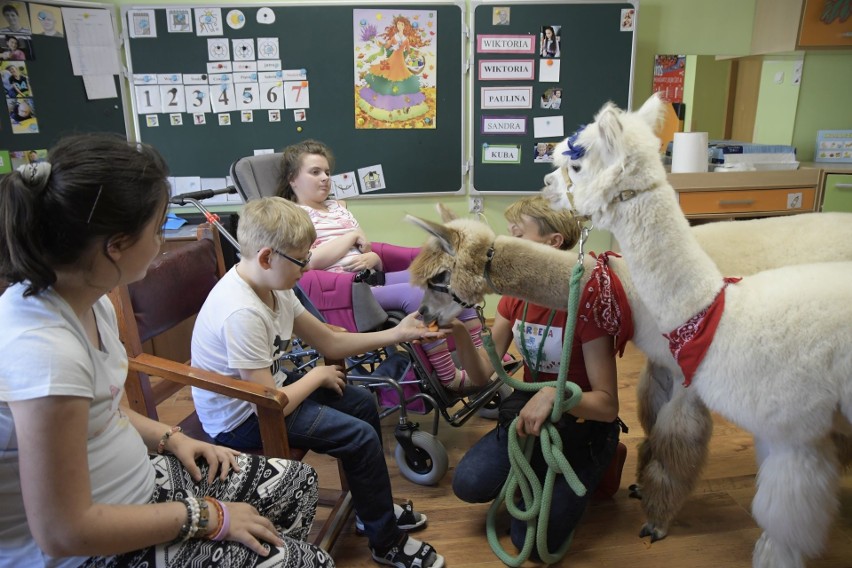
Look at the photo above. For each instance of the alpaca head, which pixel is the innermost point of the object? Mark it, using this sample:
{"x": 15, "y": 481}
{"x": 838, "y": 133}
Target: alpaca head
{"x": 450, "y": 265}
{"x": 617, "y": 152}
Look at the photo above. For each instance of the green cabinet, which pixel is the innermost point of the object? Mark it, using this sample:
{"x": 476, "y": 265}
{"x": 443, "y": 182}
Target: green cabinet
{"x": 838, "y": 193}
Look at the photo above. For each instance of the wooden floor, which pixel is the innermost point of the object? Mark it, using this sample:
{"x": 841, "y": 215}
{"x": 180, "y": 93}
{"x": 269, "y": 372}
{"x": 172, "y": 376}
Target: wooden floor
{"x": 714, "y": 529}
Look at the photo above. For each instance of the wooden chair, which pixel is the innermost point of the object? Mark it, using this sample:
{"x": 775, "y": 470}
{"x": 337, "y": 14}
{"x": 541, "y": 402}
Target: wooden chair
{"x": 155, "y": 318}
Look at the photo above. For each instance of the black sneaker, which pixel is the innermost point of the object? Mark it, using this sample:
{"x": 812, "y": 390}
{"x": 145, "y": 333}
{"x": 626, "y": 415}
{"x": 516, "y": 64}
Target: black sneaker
{"x": 423, "y": 556}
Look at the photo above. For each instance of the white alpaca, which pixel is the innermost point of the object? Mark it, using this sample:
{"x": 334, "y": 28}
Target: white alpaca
{"x": 671, "y": 416}
{"x": 779, "y": 363}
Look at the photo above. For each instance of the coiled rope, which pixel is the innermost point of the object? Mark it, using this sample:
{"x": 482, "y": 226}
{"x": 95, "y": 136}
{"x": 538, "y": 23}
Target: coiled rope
{"x": 537, "y": 498}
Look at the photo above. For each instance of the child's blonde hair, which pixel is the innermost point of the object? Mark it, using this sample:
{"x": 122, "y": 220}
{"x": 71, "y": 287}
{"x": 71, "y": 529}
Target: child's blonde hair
{"x": 274, "y": 222}
{"x": 548, "y": 219}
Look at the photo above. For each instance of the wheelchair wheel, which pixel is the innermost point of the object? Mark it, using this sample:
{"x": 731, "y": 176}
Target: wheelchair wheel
{"x": 430, "y": 464}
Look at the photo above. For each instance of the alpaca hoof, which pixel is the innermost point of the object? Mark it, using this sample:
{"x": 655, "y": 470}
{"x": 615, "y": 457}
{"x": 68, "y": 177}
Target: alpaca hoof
{"x": 649, "y": 530}
{"x": 635, "y": 492}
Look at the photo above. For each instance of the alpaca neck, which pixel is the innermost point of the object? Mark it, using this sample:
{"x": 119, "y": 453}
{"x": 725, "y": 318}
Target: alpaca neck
{"x": 673, "y": 276}
{"x": 536, "y": 273}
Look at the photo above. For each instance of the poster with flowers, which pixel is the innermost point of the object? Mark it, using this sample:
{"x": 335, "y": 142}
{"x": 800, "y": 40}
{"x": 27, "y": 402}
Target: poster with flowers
{"x": 395, "y": 68}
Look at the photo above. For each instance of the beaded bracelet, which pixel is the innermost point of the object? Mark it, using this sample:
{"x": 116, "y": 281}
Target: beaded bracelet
{"x": 161, "y": 447}
{"x": 193, "y": 514}
{"x": 197, "y": 519}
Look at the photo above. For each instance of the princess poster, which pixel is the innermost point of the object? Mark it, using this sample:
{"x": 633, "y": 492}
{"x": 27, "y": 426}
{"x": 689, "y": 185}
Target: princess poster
{"x": 395, "y": 68}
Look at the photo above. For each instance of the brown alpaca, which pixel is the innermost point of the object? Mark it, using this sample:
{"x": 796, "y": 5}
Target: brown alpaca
{"x": 675, "y": 450}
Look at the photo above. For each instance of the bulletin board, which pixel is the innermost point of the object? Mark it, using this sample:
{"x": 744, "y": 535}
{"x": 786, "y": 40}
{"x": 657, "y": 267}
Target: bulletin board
{"x": 515, "y": 85}
{"x": 59, "y": 98}
{"x": 418, "y": 143}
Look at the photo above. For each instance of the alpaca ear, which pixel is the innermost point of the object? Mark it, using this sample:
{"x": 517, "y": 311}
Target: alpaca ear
{"x": 610, "y": 131}
{"x": 653, "y": 112}
{"x": 440, "y": 232}
{"x": 446, "y": 214}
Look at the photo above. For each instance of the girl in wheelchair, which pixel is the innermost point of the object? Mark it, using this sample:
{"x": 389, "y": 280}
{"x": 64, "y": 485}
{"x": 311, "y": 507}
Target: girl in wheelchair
{"x": 342, "y": 246}
{"x": 84, "y": 481}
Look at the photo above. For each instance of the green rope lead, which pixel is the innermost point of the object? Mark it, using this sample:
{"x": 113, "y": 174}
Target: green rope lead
{"x": 536, "y": 498}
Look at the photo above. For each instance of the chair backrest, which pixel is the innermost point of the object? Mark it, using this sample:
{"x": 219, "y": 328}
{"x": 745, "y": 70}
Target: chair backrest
{"x": 257, "y": 176}
{"x": 156, "y": 314}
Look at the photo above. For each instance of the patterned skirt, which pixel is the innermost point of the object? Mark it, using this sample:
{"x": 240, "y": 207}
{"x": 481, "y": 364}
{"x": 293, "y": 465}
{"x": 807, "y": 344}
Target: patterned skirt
{"x": 284, "y": 491}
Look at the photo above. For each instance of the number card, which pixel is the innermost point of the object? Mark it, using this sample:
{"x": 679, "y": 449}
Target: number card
{"x": 173, "y": 98}
{"x": 147, "y": 99}
{"x": 222, "y": 98}
{"x": 296, "y": 94}
{"x": 249, "y": 96}
{"x": 273, "y": 95}
{"x": 197, "y": 99}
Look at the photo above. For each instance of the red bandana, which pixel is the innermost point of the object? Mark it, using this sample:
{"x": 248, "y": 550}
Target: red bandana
{"x": 690, "y": 342}
{"x": 609, "y": 304}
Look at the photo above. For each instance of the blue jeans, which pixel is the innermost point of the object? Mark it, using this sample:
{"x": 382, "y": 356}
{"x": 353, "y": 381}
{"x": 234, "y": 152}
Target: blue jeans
{"x": 483, "y": 470}
{"x": 348, "y": 428}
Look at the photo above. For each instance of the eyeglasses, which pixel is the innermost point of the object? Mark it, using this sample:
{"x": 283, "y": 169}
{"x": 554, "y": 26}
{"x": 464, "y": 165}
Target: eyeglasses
{"x": 299, "y": 263}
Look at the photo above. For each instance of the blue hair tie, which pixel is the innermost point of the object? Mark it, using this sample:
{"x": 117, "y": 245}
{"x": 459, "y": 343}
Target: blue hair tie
{"x": 575, "y": 152}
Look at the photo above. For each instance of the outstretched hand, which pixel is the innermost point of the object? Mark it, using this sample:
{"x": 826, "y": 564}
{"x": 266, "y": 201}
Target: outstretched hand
{"x": 412, "y": 328}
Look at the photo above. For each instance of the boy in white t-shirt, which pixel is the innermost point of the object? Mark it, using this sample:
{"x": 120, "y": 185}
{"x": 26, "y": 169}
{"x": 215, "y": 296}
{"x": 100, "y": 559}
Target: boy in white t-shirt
{"x": 241, "y": 331}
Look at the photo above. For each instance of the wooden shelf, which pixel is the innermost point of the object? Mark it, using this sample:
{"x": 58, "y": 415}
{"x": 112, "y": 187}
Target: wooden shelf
{"x": 734, "y": 195}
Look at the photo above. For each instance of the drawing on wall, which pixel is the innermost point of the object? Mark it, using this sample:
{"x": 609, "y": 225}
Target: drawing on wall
{"x": 395, "y": 68}
{"x": 142, "y": 24}
{"x": 243, "y": 49}
{"x": 179, "y": 20}
{"x": 208, "y": 21}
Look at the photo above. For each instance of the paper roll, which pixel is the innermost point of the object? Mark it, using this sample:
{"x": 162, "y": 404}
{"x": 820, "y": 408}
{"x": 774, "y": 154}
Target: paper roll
{"x": 689, "y": 152}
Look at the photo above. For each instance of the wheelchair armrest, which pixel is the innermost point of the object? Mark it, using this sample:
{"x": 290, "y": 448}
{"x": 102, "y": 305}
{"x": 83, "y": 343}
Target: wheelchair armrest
{"x": 394, "y": 257}
{"x": 270, "y": 403}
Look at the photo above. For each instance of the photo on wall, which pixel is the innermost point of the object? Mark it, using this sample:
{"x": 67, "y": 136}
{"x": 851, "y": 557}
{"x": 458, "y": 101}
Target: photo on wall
{"x": 16, "y": 81}
{"x": 395, "y": 68}
{"x": 22, "y": 113}
{"x": 16, "y": 48}
{"x": 550, "y": 41}
{"x": 47, "y": 20}
{"x": 16, "y": 19}
{"x": 551, "y": 98}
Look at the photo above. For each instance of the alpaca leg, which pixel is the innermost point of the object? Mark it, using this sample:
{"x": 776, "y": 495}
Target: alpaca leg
{"x": 653, "y": 391}
{"x": 795, "y": 503}
{"x": 678, "y": 447}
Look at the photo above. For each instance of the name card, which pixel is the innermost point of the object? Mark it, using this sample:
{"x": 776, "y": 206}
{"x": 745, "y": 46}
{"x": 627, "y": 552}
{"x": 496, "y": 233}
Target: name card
{"x": 504, "y": 125}
{"x": 506, "y": 97}
{"x": 505, "y": 43}
{"x": 501, "y": 154}
{"x": 507, "y": 70}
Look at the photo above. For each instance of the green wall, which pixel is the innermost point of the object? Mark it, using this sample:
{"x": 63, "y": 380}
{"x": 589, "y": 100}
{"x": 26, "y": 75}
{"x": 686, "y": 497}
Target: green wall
{"x": 776, "y": 104}
{"x": 824, "y": 98}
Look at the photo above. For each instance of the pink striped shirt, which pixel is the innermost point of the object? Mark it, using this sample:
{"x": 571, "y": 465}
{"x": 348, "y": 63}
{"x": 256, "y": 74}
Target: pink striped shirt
{"x": 335, "y": 222}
